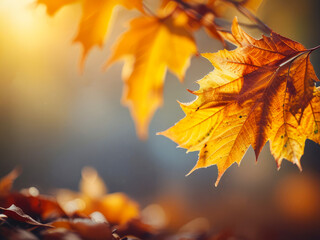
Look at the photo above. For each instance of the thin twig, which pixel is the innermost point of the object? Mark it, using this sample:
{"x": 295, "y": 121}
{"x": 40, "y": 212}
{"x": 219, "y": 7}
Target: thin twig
{"x": 314, "y": 48}
{"x": 148, "y": 10}
{"x": 261, "y": 25}
{"x": 224, "y": 21}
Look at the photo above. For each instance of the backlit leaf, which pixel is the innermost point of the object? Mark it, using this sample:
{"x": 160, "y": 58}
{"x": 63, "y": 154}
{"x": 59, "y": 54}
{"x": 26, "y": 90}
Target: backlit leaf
{"x": 95, "y": 20}
{"x": 262, "y": 91}
{"x": 151, "y": 46}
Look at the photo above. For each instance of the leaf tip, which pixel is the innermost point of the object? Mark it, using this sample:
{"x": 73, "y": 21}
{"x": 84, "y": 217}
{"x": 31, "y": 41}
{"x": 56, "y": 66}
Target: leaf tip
{"x": 278, "y": 162}
{"x": 218, "y": 180}
{"x": 299, "y": 165}
{"x": 192, "y": 170}
{"x": 220, "y": 173}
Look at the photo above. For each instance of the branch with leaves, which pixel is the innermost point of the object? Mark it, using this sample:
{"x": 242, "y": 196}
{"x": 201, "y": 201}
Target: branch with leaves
{"x": 264, "y": 90}
{"x": 171, "y": 27}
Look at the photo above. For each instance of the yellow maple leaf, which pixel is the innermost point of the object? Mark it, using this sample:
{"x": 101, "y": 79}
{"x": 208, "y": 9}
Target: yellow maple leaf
{"x": 151, "y": 45}
{"x": 263, "y": 90}
{"x": 95, "y": 20}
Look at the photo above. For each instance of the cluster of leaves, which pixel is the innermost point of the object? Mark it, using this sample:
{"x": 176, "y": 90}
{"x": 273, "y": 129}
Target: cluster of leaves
{"x": 172, "y": 28}
{"x": 264, "y": 90}
{"x": 91, "y": 214}
{"x": 28, "y": 215}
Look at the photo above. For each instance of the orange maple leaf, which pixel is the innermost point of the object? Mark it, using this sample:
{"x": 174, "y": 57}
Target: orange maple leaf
{"x": 151, "y": 45}
{"x": 264, "y": 90}
{"x": 95, "y": 20}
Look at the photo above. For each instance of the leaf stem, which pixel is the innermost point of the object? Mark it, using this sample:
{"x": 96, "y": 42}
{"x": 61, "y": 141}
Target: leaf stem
{"x": 220, "y": 21}
{"x": 314, "y": 48}
{"x": 309, "y": 51}
{"x": 148, "y": 10}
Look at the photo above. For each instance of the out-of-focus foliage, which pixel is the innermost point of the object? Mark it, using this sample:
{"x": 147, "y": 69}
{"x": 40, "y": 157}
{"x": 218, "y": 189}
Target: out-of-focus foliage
{"x": 153, "y": 43}
{"x": 91, "y": 214}
{"x": 93, "y": 197}
{"x": 95, "y": 20}
{"x": 24, "y": 215}
{"x": 147, "y": 62}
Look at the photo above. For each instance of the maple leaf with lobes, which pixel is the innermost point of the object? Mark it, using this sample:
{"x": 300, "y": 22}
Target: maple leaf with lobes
{"x": 150, "y": 46}
{"x": 262, "y": 91}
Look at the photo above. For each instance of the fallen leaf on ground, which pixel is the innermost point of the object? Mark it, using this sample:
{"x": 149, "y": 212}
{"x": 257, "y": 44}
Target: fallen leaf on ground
{"x": 15, "y": 213}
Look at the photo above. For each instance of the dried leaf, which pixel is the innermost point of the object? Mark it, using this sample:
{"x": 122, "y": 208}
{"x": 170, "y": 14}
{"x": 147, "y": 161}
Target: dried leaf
{"x": 263, "y": 90}
{"x": 15, "y": 213}
{"x": 38, "y": 207}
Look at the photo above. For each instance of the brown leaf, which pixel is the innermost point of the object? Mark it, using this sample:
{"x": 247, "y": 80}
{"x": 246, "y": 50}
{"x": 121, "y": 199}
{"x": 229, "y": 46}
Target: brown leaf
{"x": 38, "y": 207}
{"x": 15, "y": 213}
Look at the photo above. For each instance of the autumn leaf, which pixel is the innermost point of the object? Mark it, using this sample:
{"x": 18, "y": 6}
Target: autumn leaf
{"x": 38, "y": 207}
{"x": 262, "y": 91}
{"x": 23, "y": 216}
{"x": 117, "y": 208}
{"x": 151, "y": 46}
{"x": 35, "y": 205}
{"x": 143, "y": 44}
{"x": 95, "y": 20}
{"x": 16, "y": 213}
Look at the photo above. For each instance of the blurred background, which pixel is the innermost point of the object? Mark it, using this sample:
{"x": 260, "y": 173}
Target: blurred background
{"x": 55, "y": 120}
